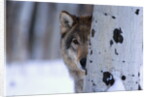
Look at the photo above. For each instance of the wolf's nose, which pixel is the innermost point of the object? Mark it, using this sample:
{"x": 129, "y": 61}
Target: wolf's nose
{"x": 83, "y": 63}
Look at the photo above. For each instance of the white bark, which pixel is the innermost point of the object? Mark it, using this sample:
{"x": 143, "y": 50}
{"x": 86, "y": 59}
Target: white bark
{"x": 116, "y": 51}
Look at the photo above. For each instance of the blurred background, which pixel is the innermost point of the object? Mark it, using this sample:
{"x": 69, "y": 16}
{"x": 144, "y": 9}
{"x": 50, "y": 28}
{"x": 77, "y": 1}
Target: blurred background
{"x": 34, "y": 64}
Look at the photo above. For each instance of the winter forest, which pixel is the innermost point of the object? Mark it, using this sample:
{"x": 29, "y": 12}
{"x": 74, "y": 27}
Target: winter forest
{"x": 33, "y": 29}
{"x": 33, "y": 47}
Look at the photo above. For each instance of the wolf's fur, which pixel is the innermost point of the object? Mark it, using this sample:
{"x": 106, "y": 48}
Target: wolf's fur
{"x": 75, "y": 34}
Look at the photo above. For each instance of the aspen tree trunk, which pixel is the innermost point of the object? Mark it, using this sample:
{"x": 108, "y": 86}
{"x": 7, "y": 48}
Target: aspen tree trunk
{"x": 115, "y": 50}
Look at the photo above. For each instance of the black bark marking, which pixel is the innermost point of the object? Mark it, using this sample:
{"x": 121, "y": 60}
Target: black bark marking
{"x": 111, "y": 42}
{"x": 133, "y": 75}
{"x": 123, "y": 61}
{"x": 137, "y": 11}
{"x": 118, "y": 38}
{"x": 93, "y": 32}
{"x": 91, "y": 52}
{"x": 139, "y": 87}
{"x": 91, "y": 61}
{"x": 123, "y": 77}
{"x": 105, "y": 14}
{"x": 108, "y": 78}
{"x": 93, "y": 84}
{"x": 92, "y": 81}
{"x": 113, "y": 17}
{"x": 116, "y": 52}
{"x": 138, "y": 74}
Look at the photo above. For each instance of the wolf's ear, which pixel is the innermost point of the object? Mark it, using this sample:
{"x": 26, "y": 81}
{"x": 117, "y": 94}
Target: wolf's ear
{"x": 66, "y": 21}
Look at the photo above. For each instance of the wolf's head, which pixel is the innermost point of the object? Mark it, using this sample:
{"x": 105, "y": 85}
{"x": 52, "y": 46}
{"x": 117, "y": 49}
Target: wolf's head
{"x": 75, "y": 34}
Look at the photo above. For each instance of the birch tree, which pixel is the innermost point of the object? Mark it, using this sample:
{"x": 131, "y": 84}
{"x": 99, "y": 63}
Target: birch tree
{"x": 115, "y": 50}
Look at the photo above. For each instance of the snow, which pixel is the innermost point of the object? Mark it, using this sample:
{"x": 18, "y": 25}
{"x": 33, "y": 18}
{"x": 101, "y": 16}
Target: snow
{"x": 45, "y": 77}
{"x": 38, "y": 77}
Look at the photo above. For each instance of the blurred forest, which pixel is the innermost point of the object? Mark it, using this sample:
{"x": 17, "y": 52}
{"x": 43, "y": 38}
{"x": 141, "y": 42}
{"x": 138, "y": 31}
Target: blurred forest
{"x": 32, "y": 29}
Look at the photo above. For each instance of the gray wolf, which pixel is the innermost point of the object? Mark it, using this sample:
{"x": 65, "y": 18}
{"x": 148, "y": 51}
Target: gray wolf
{"x": 75, "y": 34}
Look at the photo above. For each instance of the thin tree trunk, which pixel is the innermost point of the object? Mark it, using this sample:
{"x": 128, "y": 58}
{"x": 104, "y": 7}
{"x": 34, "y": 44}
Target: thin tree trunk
{"x": 115, "y": 49}
{"x": 18, "y": 25}
{"x": 39, "y": 30}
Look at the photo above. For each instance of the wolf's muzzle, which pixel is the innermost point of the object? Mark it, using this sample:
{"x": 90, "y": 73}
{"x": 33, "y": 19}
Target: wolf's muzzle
{"x": 83, "y": 63}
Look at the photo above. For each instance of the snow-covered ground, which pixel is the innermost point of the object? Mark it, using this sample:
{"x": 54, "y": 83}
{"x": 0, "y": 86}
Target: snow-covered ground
{"x": 38, "y": 77}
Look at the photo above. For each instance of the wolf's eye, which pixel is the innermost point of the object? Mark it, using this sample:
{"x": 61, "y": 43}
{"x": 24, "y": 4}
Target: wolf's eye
{"x": 75, "y": 41}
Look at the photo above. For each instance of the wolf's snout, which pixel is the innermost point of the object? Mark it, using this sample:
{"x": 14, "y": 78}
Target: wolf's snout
{"x": 83, "y": 63}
